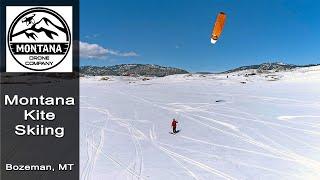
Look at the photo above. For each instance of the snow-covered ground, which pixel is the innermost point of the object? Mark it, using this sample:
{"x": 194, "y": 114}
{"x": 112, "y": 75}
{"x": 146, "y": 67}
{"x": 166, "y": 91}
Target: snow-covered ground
{"x": 265, "y": 128}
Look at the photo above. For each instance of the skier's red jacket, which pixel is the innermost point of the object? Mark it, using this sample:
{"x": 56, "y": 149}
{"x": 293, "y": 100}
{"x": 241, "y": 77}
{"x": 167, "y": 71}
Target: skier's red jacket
{"x": 174, "y": 123}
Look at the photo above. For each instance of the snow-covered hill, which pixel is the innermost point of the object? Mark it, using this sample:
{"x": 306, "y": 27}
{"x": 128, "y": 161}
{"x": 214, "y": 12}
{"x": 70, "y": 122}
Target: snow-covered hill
{"x": 233, "y": 126}
{"x": 131, "y": 70}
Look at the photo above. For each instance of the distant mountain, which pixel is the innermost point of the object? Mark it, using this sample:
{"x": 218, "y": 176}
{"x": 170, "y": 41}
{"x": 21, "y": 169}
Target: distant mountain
{"x": 267, "y": 67}
{"x": 131, "y": 70}
{"x": 161, "y": 71}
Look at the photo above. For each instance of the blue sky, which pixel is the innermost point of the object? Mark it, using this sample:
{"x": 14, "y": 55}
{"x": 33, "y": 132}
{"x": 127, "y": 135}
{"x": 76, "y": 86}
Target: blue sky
{"x": 177, "y": 32}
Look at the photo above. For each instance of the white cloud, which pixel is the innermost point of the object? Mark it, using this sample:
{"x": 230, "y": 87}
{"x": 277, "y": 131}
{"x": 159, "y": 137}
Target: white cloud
{"x": 95, "y": 51}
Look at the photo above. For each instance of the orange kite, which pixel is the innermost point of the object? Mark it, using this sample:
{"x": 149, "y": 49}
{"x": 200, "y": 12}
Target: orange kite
{"x": 218, "y": 27}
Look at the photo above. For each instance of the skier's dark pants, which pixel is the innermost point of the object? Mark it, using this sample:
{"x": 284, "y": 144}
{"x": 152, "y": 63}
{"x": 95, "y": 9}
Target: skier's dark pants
{"x": 174, "y": 129}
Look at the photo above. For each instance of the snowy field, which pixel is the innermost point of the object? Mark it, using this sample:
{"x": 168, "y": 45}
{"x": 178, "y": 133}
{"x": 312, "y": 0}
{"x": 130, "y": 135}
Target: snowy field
{"x": 267, "y": 127}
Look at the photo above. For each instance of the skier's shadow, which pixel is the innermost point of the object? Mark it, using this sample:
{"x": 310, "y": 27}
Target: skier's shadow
{"x": 177, "y": 131}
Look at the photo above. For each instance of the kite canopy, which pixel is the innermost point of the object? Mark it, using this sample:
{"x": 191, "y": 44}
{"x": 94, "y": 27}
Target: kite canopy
{"x": 218, "y": 27}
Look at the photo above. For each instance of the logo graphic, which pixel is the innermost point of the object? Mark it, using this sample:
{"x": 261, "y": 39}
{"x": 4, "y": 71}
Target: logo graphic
{"x": 39, "y": 39}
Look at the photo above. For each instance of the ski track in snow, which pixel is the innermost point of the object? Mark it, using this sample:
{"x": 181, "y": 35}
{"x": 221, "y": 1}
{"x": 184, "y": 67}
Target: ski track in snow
{"x": 249, "y": 140}
{"x": 297, "y": 117}
{"x": 134, "y": 171}
{"x": 137, "y": 163}
{"x": 184, "y": 161}
{"x": 295, "y": 157}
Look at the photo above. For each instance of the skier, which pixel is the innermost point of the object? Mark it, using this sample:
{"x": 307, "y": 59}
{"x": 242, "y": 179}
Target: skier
{"x": 174, "y": 125}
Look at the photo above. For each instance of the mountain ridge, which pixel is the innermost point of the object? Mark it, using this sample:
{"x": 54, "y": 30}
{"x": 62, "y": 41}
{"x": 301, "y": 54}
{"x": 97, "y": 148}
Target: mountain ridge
{"x": 131, "y": 70}
{"x": 267, "y": 67}
{"x": 161, "y": 71}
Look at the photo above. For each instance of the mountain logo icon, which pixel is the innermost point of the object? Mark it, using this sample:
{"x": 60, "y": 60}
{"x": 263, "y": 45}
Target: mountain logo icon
{"x": 39, "y": 39}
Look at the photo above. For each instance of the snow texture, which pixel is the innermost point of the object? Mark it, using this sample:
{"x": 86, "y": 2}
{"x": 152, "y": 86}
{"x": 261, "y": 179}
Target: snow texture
{"x": 264, "y": 126}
